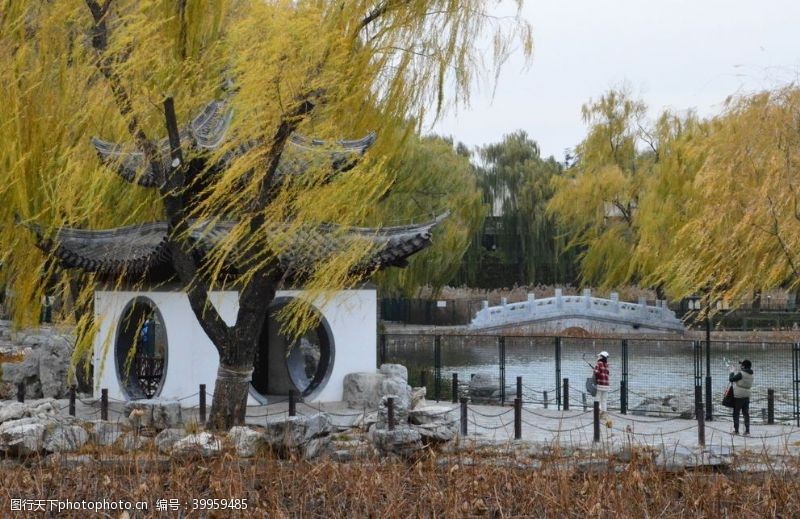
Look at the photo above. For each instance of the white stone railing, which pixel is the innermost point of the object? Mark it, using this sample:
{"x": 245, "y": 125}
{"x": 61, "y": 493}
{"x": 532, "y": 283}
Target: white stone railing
{"x": 579, "y": 306}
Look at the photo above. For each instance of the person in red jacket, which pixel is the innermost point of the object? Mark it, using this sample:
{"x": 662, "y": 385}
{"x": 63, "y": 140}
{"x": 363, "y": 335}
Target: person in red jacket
{"x": 603, "y": 378}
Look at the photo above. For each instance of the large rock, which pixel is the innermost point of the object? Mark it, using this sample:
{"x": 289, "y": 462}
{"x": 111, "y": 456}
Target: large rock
{"x": 669, "y": 405}
{"x": 44, "y": 367}
{"x": 246, "y": 441}
{"x": 400, "y": 412}
{"x": 484, "y": 389}
{"x": 11, "y": 411}
{"x": 132, "y": 441}
{"x": 403, "y": 441}
{"x": 368, "y": 389}
{"x": 155, "y": 413}
{"x": 105, "y": 433}
{"x": 433, "y": 414}
{"x": 362, "y": 390}
{"x": 65, "y": 438}
{"x": 22, "y": 437}
{"x": 42, "y": 408}
{"x": 293, "y": 431}
{"x": 394, "y": 371}
{"x": 436, "y": 433}
{"x": 204, "y": 444}
{"x": 418, "y": 395}
{"x": 167, "y": 438}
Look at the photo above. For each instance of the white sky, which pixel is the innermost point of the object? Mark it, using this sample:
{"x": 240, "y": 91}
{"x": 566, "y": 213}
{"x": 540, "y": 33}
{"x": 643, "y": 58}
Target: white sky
{"x": 673, "y": 54}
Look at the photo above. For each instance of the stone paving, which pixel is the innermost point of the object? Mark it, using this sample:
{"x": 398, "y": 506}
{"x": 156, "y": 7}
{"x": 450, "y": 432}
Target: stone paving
{"x": 489, "y": 424}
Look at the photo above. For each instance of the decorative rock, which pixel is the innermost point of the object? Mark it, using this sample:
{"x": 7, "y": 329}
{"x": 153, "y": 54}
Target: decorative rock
{"x": 65, "y": 438}
{"x": 158, "y": 414}
{"x": 394, "y": 370}
{"x": 105, "y": 433}
{"x": 204, "y": 443}
{"x": 418, "y": 395}
{"x": 432, "y": 414}
{"x": 246, "y": 441}
{"x": 131, "y": 441}
{"x": 12, "y": 411}
{"x": 669, "y": 405}
{"x": 289, "y": 432}
{"x": 399, "y": 389}
{"x": 315, "y": 447}
{"x": 403, "y": 441}
{"x": 44, "y": 368}
{"x": 167, "y": 438}
{"x": 400, "y": 412}
{"x": 21, "y": 439}
{"x": 484, "y": 389}
{"x": 442, "y": 432}
{"x": 362, "y": 390}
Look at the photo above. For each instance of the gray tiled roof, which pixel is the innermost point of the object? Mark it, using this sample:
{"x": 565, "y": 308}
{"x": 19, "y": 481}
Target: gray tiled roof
{"x": 140, "y": 251}
{"x": 207, "y": 131}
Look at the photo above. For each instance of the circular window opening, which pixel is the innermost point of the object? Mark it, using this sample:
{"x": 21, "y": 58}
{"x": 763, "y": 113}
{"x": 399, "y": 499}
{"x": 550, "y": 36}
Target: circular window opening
{"x": 281, "y": 365}
{"x": 140, "y": 351}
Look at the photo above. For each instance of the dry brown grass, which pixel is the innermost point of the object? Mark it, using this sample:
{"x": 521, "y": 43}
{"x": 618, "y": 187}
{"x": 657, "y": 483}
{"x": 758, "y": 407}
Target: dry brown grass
{"x": 425, "y": 488}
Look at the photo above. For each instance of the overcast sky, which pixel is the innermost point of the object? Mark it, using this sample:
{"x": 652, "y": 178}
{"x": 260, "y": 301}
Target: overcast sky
{"x": 672, "y": 53}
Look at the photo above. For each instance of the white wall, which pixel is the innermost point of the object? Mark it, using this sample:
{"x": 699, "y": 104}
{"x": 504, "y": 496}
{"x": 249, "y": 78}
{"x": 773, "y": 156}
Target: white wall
{"x": 193, "y": 360}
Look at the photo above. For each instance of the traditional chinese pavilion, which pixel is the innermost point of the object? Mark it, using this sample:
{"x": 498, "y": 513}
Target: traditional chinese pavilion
{"x": 150, "y": 344}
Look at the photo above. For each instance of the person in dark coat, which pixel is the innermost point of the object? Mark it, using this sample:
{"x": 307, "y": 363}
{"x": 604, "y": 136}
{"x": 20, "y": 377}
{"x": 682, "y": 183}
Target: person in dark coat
{"x": 742, "y": 381}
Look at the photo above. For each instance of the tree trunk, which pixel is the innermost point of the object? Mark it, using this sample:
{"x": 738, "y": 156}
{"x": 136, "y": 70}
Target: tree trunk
{"x": 229, "y": 404}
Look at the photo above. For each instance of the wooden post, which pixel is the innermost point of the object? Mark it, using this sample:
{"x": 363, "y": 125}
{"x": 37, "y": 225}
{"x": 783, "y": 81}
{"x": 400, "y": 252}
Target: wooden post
{"x": 21, "y": 392}
{"x": 519, "y": 388}
{"x": 202, "y": 395}
{"x": 455, "y": 388}
{"x": 770, "y": 406}
{"x": 72, "y": 400}
{"x": 390, "y": 412}
{"x": 464, "y": 416}
{"x": 623, "y": 397}
{"x": 104, "y": 404}
{"x": 596, "y": 421}
{"x": 565, "y": 398}
{"x": 293, "y": 404}
{"x": 517, "y": 418}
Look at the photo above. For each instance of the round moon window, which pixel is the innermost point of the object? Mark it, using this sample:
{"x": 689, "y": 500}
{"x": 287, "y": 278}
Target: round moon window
{"x": 302, "y": 365}
{"x": 140, "y": 350}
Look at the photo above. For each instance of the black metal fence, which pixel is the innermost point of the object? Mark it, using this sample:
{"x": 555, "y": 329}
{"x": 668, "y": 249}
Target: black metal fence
{"x": 647, "y": 375}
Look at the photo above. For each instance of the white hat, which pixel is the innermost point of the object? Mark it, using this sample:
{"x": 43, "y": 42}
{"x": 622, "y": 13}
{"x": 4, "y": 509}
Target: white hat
{"x": 603, "y": 354}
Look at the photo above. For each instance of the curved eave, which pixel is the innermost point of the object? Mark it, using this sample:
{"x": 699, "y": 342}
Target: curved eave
{"x": 141, "y": 251}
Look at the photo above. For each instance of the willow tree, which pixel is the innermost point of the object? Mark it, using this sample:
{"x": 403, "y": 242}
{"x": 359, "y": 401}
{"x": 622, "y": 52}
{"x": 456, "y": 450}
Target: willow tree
{"x": 740, "y": 228}
{"x": 598, "y": 197}
{"x": 164, "y": 79}
{"x": 448, "y": 185}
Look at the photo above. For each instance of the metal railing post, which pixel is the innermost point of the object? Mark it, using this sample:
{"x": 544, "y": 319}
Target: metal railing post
{"x": 565, "y": 398}
{"x": 770, "y": 407}
{"x": 104, "y": 404}
{"x": 72, "y": 400}
{"x": 202, "y": 399}
{"x": 558, "y": 370}
{"x": 517, "y": 418}
{"x": 464, "y": 416}
{"x": 596, "y": 419}
{"x": 519, "y": 388}
{"x": 437, "y": 366}
{"x": 501, "y": 345}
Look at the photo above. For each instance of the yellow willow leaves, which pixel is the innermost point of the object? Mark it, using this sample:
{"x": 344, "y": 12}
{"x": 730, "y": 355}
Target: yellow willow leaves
{"x": 365, "y": 66}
